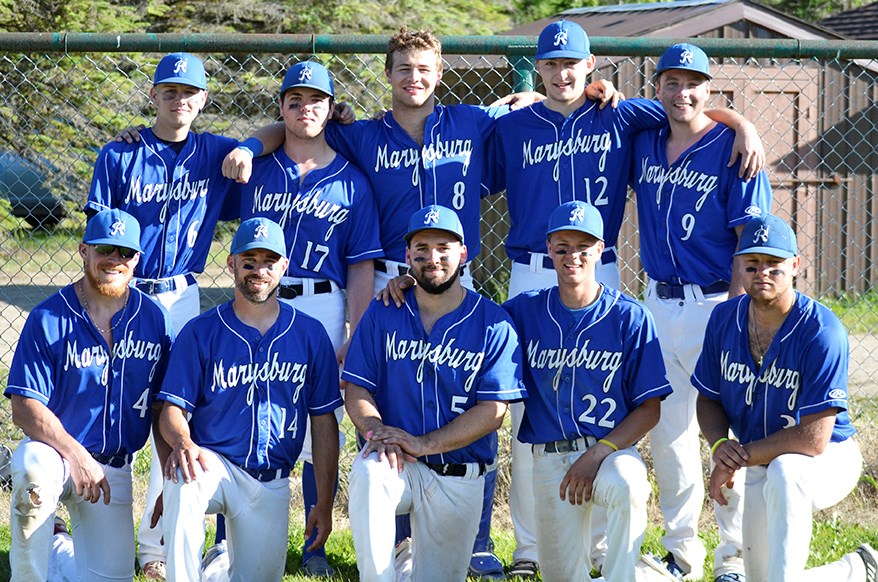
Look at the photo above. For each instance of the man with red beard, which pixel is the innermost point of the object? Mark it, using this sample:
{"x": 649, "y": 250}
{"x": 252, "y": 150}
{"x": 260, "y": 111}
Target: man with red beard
{"x": 88, "y": 364}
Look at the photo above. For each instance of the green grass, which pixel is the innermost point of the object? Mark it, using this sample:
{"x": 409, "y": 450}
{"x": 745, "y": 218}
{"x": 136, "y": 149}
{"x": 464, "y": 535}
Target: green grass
{"x": 831, "y": 540}
{"x": 859, "y": 313}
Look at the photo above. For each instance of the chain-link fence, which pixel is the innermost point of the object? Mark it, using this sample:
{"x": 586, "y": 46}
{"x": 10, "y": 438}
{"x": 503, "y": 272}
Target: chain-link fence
{"x": 59, "y": 105}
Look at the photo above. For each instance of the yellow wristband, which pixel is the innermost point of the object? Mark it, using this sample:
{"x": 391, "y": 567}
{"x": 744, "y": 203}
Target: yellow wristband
{"x": 609, "y": 444}
{"x": 716, "y": 445}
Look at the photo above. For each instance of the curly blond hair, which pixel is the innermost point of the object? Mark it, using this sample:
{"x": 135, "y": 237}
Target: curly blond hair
{"x": 412, "y": 40}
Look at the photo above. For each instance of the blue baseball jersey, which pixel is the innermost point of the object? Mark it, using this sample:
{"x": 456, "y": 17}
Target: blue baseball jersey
{"x": 176, "y": 198}
{"x": 248, "y": 393}
{"x": 688, "y": 210}
{"x": 804, "y": 371}
{"x": 421, "y": 382}
{"x": 328, "y": 216}
{"x": 102, "y": 397}
{"x": 405, "y": 177}
{"x": 585, "y": 370}
{"x": 543, "y": 160}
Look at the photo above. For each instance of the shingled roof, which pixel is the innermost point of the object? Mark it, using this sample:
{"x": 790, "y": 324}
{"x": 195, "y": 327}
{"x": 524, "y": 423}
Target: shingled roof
{"x": 858, "y": 23}
{"x": 686, "y": 18}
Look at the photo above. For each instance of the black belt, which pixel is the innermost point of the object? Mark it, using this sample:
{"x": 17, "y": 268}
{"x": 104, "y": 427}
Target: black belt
{"x": 393, "y": 270}
{"x": 454, "y": 470}
{"x": 115, "y": 461}
{"x": 608, "y": 256}
{"x": 159, "y": 286}
{"x": 293, "y": 291}
{"x": 400, "y": 270}
{"x": 565, "y": 446}
{"x": 266, "y": 475}
{"x": 677, "y": 290}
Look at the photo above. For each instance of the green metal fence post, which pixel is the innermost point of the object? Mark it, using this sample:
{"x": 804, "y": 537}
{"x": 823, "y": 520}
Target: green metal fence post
{"x": 523, "y": 74}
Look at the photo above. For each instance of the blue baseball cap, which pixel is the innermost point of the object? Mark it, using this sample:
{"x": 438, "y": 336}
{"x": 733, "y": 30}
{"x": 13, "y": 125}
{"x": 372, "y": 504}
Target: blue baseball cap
{"x": 768, "y": 235}
{"x": 434, "y": 217}
{"x": 685, "y": 56}
{"x": 577, "y": 215}
{"x": 259, "y": 233}
{"x": 181, "y": 68}
{"x": 308, "y": 74}
{"x": 113, "y": 227}
{"x": 563, "y": 40}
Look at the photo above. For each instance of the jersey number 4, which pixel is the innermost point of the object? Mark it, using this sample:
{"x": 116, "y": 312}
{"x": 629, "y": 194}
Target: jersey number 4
{"x": 142, "y": 404}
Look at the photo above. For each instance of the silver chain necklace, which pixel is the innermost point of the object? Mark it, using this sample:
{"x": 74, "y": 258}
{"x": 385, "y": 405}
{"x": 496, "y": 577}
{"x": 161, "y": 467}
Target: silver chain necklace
{"x": 81, "y": 294}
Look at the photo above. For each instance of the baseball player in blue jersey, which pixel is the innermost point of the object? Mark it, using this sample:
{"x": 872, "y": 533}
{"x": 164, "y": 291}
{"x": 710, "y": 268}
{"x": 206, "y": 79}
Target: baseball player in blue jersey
{"x": 171, "y": 180}
{"x": 323, "y": 203}
{"x": 88, "y": 364}
{"x": 248, "y": 372}
{"x": 420, "y": 153}
{"x": 427, "y": 385}
{"x": 774, "y": 370}
{"x": 690, "y": 209}
{"x": 566, "y": 148}
{"x": 326, "y": 209}
{"x": 594, "y": 377}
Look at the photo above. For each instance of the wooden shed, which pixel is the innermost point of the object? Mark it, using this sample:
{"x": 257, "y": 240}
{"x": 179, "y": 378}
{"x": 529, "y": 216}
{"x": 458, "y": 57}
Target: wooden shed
{"x": 817, "y": 119}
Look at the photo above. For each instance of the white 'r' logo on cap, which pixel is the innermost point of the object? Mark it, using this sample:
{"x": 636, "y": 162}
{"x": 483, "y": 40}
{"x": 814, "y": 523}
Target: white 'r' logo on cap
{"x": 761, "y": 234}
{"x": 432, "y": 217}
{"x": 181, "y": 66}
{"x": 561, "y": 37}
{"x": 117, "y": 228}
{"x": 305, "y": 75}
{"x": 261, "y": 231}
{"x": 578, "y": 214}
{"x": 686, "y": 57}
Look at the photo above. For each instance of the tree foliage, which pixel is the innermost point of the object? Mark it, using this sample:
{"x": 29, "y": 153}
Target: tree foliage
{"x": 69, "y": 15}
{"x": 316, "y": 16}
{"x": 814, "y": 10}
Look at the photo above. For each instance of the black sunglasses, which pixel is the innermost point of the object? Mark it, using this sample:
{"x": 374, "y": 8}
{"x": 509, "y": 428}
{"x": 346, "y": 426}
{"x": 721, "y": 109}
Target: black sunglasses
{"x": 107, "y": 250}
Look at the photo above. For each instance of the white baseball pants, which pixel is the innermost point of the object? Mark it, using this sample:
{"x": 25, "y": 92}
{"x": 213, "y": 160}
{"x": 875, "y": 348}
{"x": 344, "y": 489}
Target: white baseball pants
{"x": 444, "y": 511}
{"x": 778, "y": 502}
{"x": 103, "y": 535}
{"x": 563, "y": 530}
{"x": 183, "y": 304}
{"x": 257, "y": 516}
{"x": 521, "y": 496}
{"x": 62, "y": 559}
{"x": 675, "y": 441}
